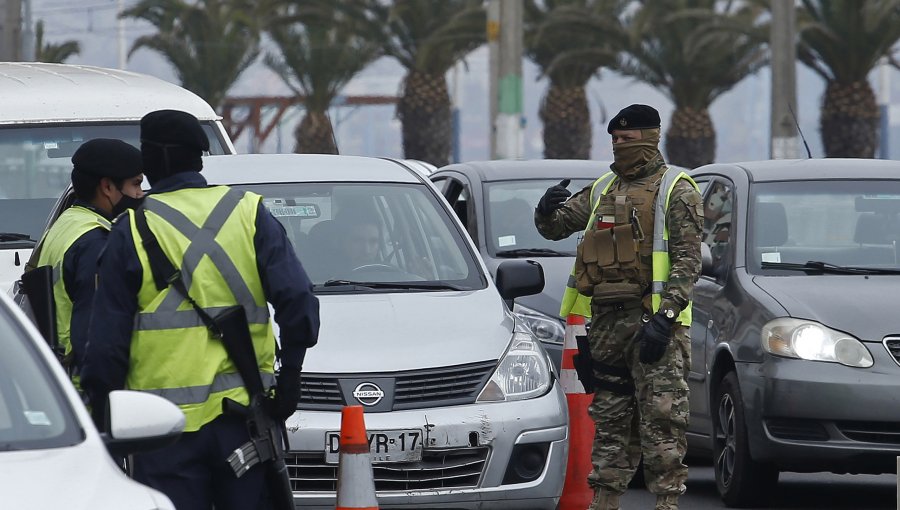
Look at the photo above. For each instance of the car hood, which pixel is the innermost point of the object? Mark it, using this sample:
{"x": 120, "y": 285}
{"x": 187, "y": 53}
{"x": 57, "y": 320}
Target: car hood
{"x": 862, "y": 306}
{"x": 556, "y": 274}
{"x": 388, "y": 332}
{"x": 81, "y": 477}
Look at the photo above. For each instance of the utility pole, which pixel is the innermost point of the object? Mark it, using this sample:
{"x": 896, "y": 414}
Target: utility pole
{"x": 782, "y": 39}
{"x": 120, "y": 33}
{"x": 11, "y": 31}
{"x": 884, "y": 107}
{"x": 506, "y": 45}
{"x": 28, "y": 41}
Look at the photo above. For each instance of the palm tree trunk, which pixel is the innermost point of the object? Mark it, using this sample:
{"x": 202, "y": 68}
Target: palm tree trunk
{"x": 567, "y": 123}
{"x": 849, "y": 120}
{"x": 691, "y": 138}
{"x": 314, "y": 134}
{"x": 424, "y": 110}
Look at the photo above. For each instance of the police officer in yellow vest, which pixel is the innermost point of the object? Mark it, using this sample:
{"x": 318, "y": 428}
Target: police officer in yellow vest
{"x": 106, "y": 178}
{"x": 229, "y": 251}
{"x": 634, "y": 273}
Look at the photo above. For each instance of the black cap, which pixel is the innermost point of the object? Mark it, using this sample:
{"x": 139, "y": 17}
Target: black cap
{"x": 172, "y": 141}
{"x": 173, "y": 127}
{"x": 636, "y": 116}
{"x": 107, "y": 157}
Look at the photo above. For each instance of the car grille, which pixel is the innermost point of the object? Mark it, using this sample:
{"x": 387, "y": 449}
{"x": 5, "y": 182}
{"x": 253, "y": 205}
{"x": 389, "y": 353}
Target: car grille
{"x": 456, "y": 385}
{"x": 871, "y": 432}
{"x": 892, "y": 344}
{"x": 439, "y": 469}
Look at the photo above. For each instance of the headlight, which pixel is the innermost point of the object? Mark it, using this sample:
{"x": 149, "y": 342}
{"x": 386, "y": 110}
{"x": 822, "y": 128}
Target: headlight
{"x": 797, "y": 338}
{"x": 523, "y": 372}
{"x": 545, "y": 327}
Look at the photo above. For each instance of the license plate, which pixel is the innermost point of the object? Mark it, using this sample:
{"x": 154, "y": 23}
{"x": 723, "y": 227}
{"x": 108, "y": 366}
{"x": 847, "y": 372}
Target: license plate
{"x": 385, "y": 446}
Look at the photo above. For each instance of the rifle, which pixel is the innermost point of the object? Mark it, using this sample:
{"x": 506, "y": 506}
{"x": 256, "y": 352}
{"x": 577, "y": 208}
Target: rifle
{"x": 584, "y": 364}
{"x": 37, "y": 285}
{"x": 267, "y": 436}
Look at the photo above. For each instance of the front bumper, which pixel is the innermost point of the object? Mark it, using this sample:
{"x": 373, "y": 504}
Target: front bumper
{"x": 467, "y": 451}
{"x": 816, "y": 416}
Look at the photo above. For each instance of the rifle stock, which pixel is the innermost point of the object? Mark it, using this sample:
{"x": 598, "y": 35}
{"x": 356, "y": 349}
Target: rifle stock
{"x": 584, "y": 364}
{"x": 37, "y": 284}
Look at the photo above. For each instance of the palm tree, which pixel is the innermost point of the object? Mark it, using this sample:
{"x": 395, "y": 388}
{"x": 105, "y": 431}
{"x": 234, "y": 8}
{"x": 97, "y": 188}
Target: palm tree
{"x": 50, "y": 52}
{"x": 318, "y": 57}
{"x": 427, "y": 37}
{"x": 842, "y": 40}
{"x": 208, "y": 42}
{"x": 569, "y": 59}
{"x": 694, "y": 51}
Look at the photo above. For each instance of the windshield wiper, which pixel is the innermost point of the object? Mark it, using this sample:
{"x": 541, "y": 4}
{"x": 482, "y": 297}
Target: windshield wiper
{"x": 392, "y": 285}
{"x": 15, "y": 237}
{"x": 816, "y": 266}
{"x": 533, "y": 252}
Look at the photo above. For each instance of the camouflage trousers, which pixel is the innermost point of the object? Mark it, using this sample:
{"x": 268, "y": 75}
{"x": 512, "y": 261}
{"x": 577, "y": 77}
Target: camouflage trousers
{"x": 638, "y": 408}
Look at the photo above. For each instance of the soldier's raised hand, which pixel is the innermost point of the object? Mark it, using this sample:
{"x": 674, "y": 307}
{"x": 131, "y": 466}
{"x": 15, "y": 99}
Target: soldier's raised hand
{"x": 554, "y": 198}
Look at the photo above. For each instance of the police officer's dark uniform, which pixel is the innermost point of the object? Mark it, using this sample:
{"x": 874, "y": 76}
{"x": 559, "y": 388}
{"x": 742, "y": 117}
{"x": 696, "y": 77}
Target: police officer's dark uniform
{"x": 235, "y": 252}
{"x": 73, "y": 244}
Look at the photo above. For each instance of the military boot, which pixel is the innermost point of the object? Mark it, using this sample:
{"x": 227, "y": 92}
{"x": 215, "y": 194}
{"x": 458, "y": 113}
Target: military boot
{"x": 605, "y": 500}
{"x": 667, "y": 502}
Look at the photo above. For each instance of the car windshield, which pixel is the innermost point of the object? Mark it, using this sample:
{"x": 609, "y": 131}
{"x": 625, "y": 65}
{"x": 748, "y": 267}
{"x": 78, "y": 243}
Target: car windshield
{"x": 34, "y": 412}
{"x": 510, "y": 218}
{"x": 387, "y": 235}
{"x": 36, "y": 165}
{"x": 843, "y": 223}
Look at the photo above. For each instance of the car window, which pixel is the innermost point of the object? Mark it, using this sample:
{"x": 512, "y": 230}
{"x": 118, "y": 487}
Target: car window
{"x": 34, "y": 413}
{"x": 36, "y": 166}
{"x": 510, "y": 215}
{"x": 372, "y": 233}
{"x": 847, "y": 223}
{"x": 459, "y": 197}
{"x": 717, "y": 231}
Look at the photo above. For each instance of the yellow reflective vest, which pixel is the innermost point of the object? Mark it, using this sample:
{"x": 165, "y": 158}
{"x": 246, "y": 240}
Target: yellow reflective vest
{"x": 73, "y": 223}
{"x": 574, "y": 303}
{"x": 207, "y": 233}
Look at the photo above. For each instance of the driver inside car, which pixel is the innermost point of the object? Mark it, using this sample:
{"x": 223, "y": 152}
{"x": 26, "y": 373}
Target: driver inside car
{"x": 360, "y": 242}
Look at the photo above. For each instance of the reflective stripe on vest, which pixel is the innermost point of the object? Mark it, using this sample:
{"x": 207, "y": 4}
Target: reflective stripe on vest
{"x": 73, "y": 223}
{"x": 575, "y": 303}
{"x": 208, "y": 233}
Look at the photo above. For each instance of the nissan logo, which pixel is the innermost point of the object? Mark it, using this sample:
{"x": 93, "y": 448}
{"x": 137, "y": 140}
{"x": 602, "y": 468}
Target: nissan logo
{"x": 368, "y": 394}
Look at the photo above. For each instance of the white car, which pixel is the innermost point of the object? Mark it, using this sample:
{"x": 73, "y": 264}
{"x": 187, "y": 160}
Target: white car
{"x": 48, "y": 111}
{"x": 51, "y": 455}
{"x": 462, "y": 403}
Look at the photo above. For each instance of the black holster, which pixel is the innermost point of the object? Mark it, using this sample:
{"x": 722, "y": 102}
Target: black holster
{"x": 584, "y": 364}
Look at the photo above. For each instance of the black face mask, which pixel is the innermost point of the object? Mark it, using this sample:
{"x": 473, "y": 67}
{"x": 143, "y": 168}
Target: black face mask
{"x": 125, "y": 203}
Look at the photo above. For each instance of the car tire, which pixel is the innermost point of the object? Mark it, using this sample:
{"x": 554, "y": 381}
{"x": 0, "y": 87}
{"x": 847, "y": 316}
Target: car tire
{"x": 741, "y": 481}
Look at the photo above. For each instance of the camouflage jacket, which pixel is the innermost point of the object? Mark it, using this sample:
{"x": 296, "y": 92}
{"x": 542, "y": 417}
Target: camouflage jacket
{"x": 684, "y": 219}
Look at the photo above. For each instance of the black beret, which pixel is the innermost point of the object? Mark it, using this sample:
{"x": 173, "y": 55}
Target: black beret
{"x": 106, "y": 157}
{"x": 173, "y": 127}
{"x": 636, "y": 116}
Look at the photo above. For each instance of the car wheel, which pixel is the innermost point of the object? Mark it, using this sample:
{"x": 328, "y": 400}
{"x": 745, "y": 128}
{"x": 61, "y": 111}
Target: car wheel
{"x": 740, "y": 480}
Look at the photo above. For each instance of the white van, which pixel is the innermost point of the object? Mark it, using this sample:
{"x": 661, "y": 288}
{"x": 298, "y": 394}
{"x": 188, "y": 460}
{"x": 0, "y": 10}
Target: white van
{"x": 48, "y": 111}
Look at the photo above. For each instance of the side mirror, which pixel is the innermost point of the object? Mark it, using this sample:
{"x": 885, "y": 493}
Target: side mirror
{"x": 706, "y": 265}
{"x": 140, "y": 422}
{"x": 517, "y": 278}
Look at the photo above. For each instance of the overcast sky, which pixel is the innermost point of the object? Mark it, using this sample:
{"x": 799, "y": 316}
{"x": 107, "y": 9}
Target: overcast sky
{"x": 741, "y": 117}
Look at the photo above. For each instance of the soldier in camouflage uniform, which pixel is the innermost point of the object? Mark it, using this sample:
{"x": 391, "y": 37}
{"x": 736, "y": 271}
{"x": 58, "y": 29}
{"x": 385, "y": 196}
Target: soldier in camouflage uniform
{"x": 639, "y": 344}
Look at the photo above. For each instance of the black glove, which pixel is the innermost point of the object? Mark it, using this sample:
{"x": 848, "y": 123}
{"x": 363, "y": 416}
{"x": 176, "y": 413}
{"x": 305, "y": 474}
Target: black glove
{"x": 287, "y": 394}
{"x": 554, "y": 198}
{"x": 655, "y": 337}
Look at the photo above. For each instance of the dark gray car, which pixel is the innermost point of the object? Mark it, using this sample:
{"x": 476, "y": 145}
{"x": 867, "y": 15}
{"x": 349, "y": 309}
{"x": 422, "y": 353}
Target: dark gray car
{"x": 495, "y": 200}
{"x": 796, "y": 331}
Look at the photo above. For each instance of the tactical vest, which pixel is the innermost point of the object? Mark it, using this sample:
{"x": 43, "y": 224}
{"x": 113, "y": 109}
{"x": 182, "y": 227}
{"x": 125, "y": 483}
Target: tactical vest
{"x": 208, "y": 233}
{"x": 73, "y": 223}
{"x": 614, "y": 266}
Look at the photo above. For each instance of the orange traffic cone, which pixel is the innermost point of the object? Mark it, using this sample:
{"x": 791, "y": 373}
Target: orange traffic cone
{"x": 355, "y": 483}
{"x": 576, "y": 492}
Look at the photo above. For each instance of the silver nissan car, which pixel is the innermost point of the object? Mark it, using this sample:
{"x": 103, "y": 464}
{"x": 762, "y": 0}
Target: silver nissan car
{"x": 463, "y": 406}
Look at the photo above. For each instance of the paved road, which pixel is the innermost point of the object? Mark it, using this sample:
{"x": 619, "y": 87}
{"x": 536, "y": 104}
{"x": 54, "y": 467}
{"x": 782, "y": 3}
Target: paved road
{"x": 816, "y": 491}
